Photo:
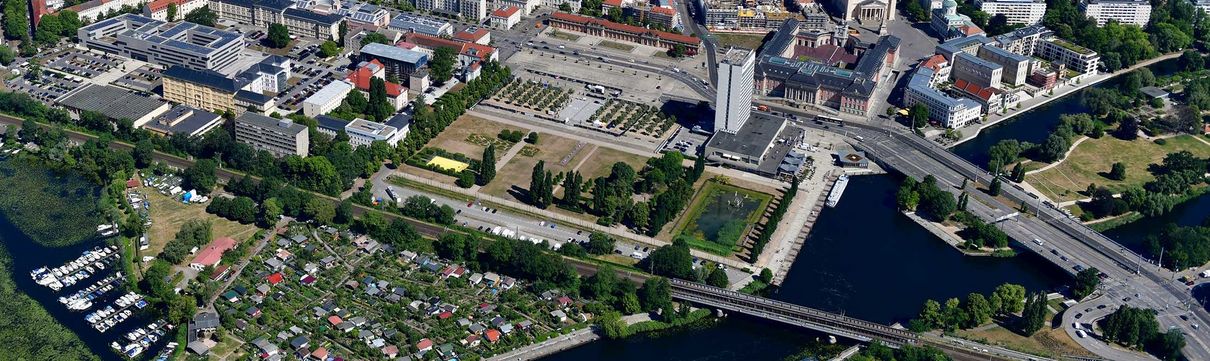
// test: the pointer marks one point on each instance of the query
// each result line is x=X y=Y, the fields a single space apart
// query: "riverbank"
x=973 y=131
x=947 y=234
x=549 y=347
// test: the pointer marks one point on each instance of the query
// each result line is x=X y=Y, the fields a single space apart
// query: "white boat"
x=837 y=190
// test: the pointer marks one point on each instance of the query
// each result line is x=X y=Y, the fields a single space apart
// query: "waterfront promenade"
x=972 y=131
x=549 y=347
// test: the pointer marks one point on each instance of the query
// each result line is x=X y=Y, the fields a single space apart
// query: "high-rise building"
x=1129 y=12
x=736 y=74
x=1025 y=12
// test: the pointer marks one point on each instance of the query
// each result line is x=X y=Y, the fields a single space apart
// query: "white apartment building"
x=736 y=79
x=474 y=10
x=326 y=99
x=281 y=137
x=158 y=9
x=1024 y=12
x=1075 y=57
x=949 y=111
x=1128 y=12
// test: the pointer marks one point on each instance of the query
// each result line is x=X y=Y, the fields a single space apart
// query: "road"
x=708 y=41
x=1063 y=241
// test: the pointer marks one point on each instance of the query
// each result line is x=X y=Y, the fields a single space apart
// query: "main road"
x=1047 y=231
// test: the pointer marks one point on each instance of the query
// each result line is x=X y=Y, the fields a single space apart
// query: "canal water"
x=1035 y=125
x=28 y=255
x=862 y=259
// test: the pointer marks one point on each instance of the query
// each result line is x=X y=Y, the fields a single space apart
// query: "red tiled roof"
x=361 y=79
x=506 y=11
x=663 y=10
x=320 y=353
x=827 y=54
x=424 y=344
x=214 y=251
x=613 y=3
x=492 y=335
x=969 y=30
x=471 y=36
x=483 y=52
x=974 y=89
x=624 y=27
x=158 y=5
x=219 y=271
x=274 y=278
x=132 y=183
x=334 y=320
x=445 y=315
x=934 y=62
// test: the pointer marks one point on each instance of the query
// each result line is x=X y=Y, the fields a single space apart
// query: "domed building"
x=949 y=24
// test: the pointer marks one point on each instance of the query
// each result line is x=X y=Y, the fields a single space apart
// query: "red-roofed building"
x=564 y=301
x=492 y=335
x=132 y=183
x=624 y=32
x=471 y=341
x=445 y=315
x=941 y=68
x=158 y=9
x=213 y=253
x=424 y=345
x=320 y=354
x=475 y=35
x=506 y=17
x=610 y=4
x=390 y=351
x=991 y=99
x=220 y=272
x=468 y=52
x=307 y=280
x=275 y=278
x=664 y=15
x=360 y=79
x=970 y=30
x=334 y=320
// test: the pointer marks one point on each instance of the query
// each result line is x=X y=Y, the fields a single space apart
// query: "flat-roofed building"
x=113 y=102
x=949 y=111
x=1077 y=58
x=748 y=147
x=735 y=82
x=166 y=44
x=1127 y=12
x=420 y=24
x=1023 y=41
x=326 y=99
x=1016 y=66
x=363 y=132
x=184 y=120
x=281 y=137
x=978 y=71
x=398 y=62
x=1024 y=12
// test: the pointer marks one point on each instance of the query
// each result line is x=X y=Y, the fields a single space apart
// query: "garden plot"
x=620 y=117
x=538 y=96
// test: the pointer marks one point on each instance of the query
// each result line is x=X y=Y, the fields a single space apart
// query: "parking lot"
x=44 y=85
x=144 y=78
x=310 y=74
x=575 y=71
x=83 y=63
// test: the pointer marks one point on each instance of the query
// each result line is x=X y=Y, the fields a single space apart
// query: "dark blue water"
x=1035 y=125
x=862 y=259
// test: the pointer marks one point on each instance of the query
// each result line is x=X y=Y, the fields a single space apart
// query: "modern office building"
x=1016 y=66
x=326 y=99
x=1128 y=12
x=281 y=137
x=1024 y=12
x=184 y=120
x=419 y=24
x=1023 y=41
x=398 y=62
x=949 y=111
x=749 y=147
x=355 y=12
x=733 y=101
x=363 y=132
x=1077 y=58
x=976 y=70
x=166 y=44
x=269 y=75
x=158 y=9
x=212 y=91
x=473 y=10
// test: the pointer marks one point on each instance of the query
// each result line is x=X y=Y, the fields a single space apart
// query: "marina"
x=79 y=269
x=82 y=300
x=141 y=339
x=108 y=317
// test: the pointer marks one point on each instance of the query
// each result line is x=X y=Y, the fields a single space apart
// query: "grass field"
x=616 y=45
x=167 y=216
x=603 y=159
x=455 y=137
x=1092 y=159
x=1048 y=342
x=747 y=41
x=555 y=33
x=688 y=226
x=512 y=180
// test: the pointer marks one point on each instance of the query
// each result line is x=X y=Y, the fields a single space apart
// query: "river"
x=862 y=259
x=29 y=255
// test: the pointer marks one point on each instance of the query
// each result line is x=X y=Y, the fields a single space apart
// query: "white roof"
x=334 y=91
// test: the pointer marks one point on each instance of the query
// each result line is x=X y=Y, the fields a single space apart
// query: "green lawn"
x=747 y=41
x=616 y=45
x=564 y=35
x=1091 y=160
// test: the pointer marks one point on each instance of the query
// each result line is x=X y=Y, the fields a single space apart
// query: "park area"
x=560 y=154
x=168 y=214
x=1090 y=162
x=741 y=40
x=719 y=217
x=470 y=135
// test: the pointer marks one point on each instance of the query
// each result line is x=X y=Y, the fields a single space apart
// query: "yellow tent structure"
x=449 y=164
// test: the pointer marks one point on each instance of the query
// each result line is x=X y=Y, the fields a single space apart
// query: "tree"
x=279 y=36
x=919 y=114
x=442 y=65
x=1033 y=315
x=1086 y=281
x=612 y=324
x=537 y=184
x=1117 y=171
x=487 y=166
x=571 y=191
x=7 y=56
x=1128 y=129
x=374 y=37
x=172 y=9
x=143 y=150
x=718 y=278
x=202 y=16
x=466 y=178
x=1011 y=296
x=656 y=294
x=270 y=212
x=1018 y=173
x=1167 y=346
x=599 y=243
x=994 y=188
x=200 y=176
x=1191 y=60
x=766 y=276
x=630 y=303
x=671 y=261
x=329 y=48
x=532 y=138
x=931 y=315
x=319 y=209
x=565 y=7
x=979 y=309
